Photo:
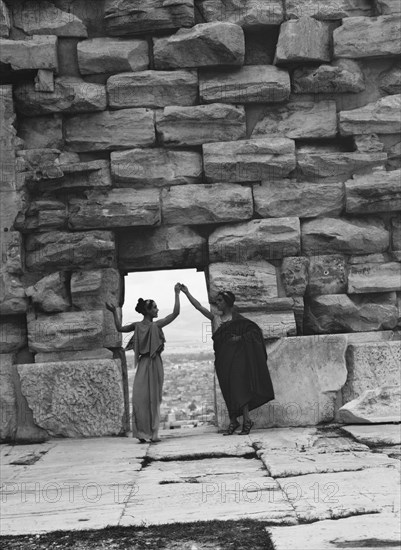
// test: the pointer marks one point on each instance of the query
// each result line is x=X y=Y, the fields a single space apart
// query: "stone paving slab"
x=316 y=497
x=376 y=435
x=359 y=533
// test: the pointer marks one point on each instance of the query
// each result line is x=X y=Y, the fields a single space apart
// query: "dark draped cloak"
x=241 y=366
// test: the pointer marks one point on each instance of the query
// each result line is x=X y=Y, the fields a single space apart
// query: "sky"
x=191 y=329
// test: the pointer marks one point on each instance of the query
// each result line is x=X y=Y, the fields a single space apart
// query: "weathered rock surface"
x=304 y=39
x=12 y=334
x=396 y=233
x=342 y=76
x=299 y=120
x=182 y=126
x=370 y=366
x=76 y=398
x=279 y=199
x=210 y=203
x=367 y=278
x=5 y=23
x=71 y=95
x=380 y=117
x=76 y=176
x=50 y=294
x=152 y=89
x=162 y=248
x=349 y=236
x=327 y=274
x=317 y=370
x=60 y=250
x=42 y=17
x=341 y=313
x=249 y=160
x=36 y=52
x=8 y=401
x=57 y=356
x=368 y=143
x=390 y=80
x=375 y=435
x=144 y=16
x=93 y=288
x=253 y=283
x=274 y=325
x=374 y=406
x=247 y=13
x=205 y=45
x=110 y=130
x=250 y=84
x=326 y=10
x=112 y=55
x=119 y=208
x=44 y=81
x=155 y=167
x=255 y=240
x=294 y=275
x=388 y=7
x=368 y=37
x=41 y=132
x=42 y=215
x=12 y=294
x=318 y=164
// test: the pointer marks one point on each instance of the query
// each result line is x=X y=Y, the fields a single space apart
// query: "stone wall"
x=257 y=141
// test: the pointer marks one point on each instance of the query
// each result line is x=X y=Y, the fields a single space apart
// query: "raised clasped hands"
x=183 y=288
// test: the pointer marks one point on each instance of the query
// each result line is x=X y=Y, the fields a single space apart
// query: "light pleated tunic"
x=148 y=343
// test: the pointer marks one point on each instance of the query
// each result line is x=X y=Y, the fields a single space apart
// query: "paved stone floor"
x=315 y=488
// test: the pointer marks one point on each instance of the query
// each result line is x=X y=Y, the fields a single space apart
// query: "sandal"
x=246 y=427
x=231 y=428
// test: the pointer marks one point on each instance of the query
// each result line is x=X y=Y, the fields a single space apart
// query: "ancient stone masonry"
x=258 y=141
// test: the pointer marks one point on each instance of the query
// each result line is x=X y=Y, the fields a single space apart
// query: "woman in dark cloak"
x=240 y=360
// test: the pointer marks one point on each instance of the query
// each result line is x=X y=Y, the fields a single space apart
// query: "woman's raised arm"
x=176 y=311
x=196 y=304
x=119 y=327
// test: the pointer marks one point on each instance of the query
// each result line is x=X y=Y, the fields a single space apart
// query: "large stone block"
x=12 y=333
x=119 y=208
x=388 y=7
x=205 y=45
x=41 y=132
x=327 y=274
x=317 y=370
x=43 y=17
x=253 y=283
x=255 y=240
x=303 y=39
x=42 y=215
x=152 y=89
x=316 y=164
x=5 y=23
x=76 y=398
x=279 y=199
x=56 y=356
x=8 y=400
x=249 y=14
x=183 y=126
x=203 y=204
x=13 y=300
x=381 y=117
x=327 y=10
x=380 y=405
x=51 y=293
x=376 y=192
x=164 y=247
x=390 y=80
x=274 y=325
x=342 y=313
x=342 y=76
x=349 y=236
x=60 y=250
x=93 y=288
x=294 y=275
x=249 y=84
x=36 y=52
x=110 y=130
x=73 y=177
x=299 y=120
x=112 y=55
x=249 y=160
x=366 y=278
x=371 y=365
x=71 y=95
x=368 y=37
x=144 y=16
x=155 y=167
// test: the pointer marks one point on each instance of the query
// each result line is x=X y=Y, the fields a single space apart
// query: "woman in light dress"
x=240 y=360
x=148 y=344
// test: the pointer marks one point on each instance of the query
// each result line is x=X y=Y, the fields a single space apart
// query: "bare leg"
x=245 y=413
x=247 y=425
